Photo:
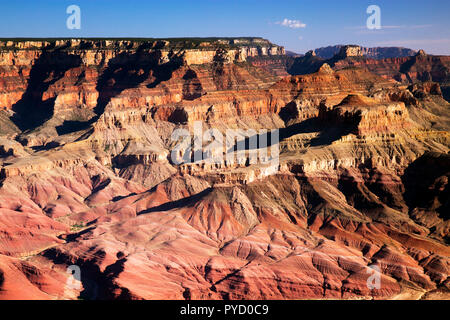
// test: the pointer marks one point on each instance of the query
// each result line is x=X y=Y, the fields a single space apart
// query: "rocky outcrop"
x=375 y=53
x=328 y=86
x=418 y=68
x=350 y=51
x=414 y=67
x=367 y=116
x=20 y=63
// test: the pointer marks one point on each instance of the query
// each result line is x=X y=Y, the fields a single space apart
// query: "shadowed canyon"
x=87 y=177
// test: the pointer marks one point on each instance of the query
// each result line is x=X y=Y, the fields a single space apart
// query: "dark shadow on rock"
x=128 y=70
x=305 y=65
x=289 y=112
x=446 y=92
x=307 y=126
x=163 y=72
x=192 y=87
x=406 y=66
x=118 y=198
x=178 y=116
x=113 y=270
x=426 y=183
x=99 y=184
x=70 y=126
x=74 y=236
x=327 y=134
x=48 y=146
x=92 y=279
x=178 y=203
x=97 y=285
x=31 y=110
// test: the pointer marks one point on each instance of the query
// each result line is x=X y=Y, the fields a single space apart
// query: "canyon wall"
x=87 y=177
x=407 y=69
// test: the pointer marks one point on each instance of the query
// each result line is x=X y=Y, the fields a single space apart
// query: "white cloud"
x=294 y=24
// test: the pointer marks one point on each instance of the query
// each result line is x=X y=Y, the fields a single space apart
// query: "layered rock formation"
x=418 y=68
x=367 y=116
x=360 y=187
x=408 y=69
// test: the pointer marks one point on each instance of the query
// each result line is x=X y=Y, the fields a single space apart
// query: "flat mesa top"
x=132 y=43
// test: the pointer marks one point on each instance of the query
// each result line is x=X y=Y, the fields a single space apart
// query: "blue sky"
x=408 y=23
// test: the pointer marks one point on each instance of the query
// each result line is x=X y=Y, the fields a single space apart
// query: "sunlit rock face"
x=359 y=189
